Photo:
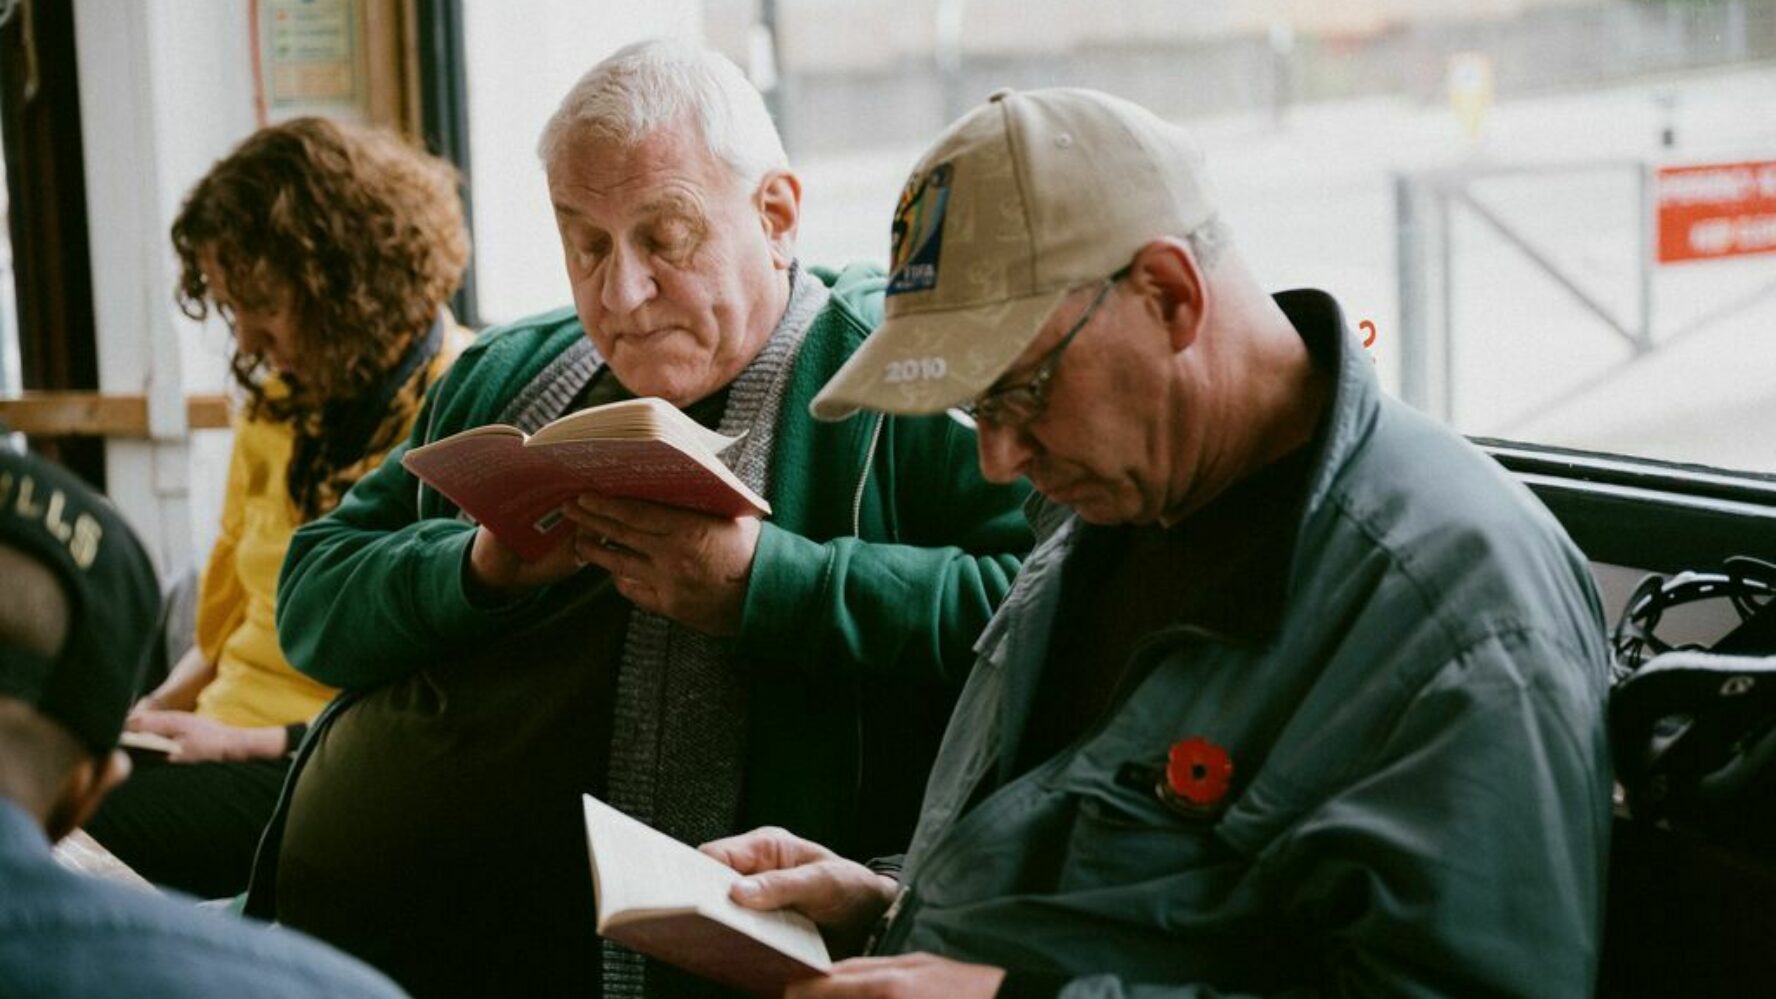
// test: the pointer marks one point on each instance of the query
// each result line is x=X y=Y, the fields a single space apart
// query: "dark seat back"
x=1687 y=917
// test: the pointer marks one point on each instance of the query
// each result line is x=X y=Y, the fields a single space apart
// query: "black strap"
x=1748 y=583
x=293 y=734
x=1756 y=635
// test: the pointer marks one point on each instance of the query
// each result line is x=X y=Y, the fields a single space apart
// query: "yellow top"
x=237 y=597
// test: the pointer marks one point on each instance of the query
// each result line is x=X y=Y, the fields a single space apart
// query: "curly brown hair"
x=367 y=233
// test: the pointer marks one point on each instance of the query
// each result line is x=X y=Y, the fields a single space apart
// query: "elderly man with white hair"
x=702 y=673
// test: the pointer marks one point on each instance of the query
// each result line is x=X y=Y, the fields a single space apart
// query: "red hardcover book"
x=638 y=448
x=670 y=902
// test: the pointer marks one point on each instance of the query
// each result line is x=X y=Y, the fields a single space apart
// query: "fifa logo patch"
x=918 y=231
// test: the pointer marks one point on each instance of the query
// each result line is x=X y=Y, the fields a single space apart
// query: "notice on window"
x=1723 y=210
x=310 y=58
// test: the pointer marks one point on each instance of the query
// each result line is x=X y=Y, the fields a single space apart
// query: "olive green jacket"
x=1420 y=792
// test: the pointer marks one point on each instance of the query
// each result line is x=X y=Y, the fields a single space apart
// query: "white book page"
x=636 y=419
x=636 y=869
x=675 y=426
x=485 y=430
x=147 y=741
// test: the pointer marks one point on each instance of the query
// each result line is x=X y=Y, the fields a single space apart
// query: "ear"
x=1166 y=271
x=779 y=203
x=83 y=790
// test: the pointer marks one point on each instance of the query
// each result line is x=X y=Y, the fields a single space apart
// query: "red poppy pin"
x=1197 y=774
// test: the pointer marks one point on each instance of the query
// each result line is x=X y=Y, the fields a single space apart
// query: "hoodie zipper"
x=869 y=460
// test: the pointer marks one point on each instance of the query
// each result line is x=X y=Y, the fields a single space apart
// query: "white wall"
x=165 y=89
x=521 y=59
x=10 y=376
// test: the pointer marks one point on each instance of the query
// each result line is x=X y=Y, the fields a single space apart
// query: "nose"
x=1004 y=452
x=628 y=281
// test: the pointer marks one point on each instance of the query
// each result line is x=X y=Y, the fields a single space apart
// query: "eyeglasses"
x=1016 y=406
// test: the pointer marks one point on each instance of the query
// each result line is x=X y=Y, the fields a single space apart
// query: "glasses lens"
x=1012 y=407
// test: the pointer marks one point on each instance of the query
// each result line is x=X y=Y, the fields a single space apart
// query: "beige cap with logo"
x=1023 y=199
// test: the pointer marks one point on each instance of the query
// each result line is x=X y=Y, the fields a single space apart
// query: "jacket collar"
x=1257 y=593
x=20 y=833
x=1356 y=391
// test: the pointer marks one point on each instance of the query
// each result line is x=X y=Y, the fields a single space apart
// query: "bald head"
x=43 y=767
x=33 y=608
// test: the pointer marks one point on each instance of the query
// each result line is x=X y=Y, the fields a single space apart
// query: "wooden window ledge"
x=96 y=414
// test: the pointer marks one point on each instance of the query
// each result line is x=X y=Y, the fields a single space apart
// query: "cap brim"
x=926 y=362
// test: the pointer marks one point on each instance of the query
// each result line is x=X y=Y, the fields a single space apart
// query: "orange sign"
x=1722 y=210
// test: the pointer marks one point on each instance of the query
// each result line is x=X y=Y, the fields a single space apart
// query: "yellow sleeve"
x=221 y=599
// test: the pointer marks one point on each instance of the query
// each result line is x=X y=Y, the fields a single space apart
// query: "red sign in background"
x=1720 y=210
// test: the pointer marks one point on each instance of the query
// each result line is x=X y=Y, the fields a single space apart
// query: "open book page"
x=516 y=491
x=667 y=899
x=648 y=449
x=640 y=448
x=635 y=419
x=78 y=851
x=146 y=742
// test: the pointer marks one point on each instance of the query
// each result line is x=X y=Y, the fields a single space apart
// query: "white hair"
x=1209 y=241
x=650 y=84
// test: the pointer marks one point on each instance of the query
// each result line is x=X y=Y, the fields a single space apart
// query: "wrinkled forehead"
x=669 y=168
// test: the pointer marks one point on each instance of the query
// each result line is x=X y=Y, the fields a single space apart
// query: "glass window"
x=1551 y=220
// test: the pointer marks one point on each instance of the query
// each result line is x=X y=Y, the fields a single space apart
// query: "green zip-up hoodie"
x=884 y=557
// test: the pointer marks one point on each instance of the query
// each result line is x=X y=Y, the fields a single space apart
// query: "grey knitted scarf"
x=678 y=744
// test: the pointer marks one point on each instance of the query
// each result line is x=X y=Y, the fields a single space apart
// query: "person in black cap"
x=77 y=615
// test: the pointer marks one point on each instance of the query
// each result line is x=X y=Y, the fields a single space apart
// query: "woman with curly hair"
x=330 y=250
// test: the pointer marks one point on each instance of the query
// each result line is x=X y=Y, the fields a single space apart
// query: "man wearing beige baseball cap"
x=1299 y=692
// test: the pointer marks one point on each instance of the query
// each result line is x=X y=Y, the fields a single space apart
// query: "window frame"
x=444 y=119
x=51 y=229
x=1662 y=516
